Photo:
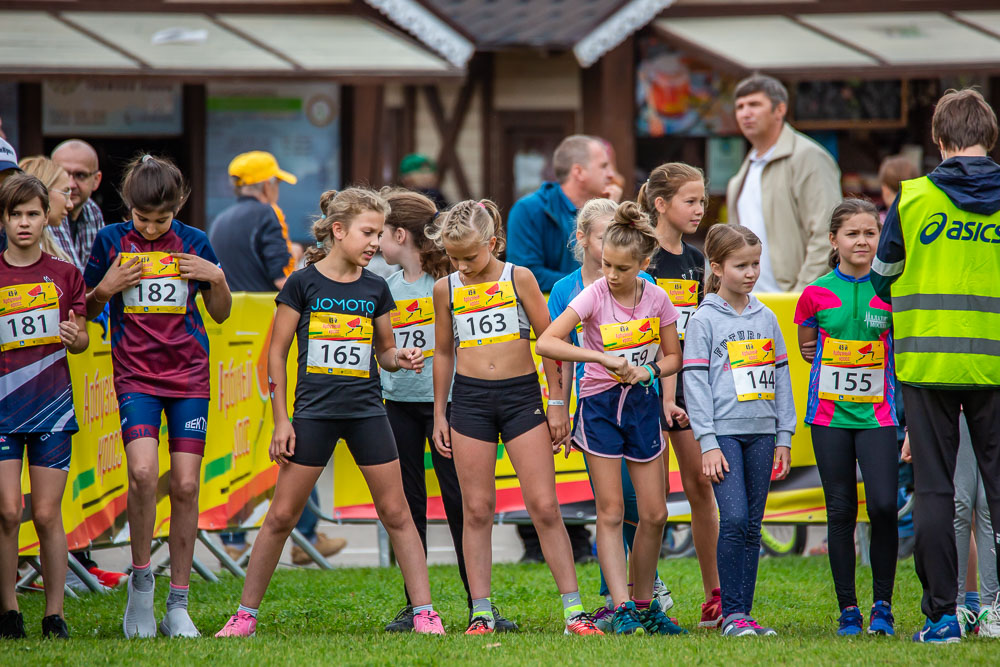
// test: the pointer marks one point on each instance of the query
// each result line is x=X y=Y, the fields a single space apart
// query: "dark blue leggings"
x=741 y=497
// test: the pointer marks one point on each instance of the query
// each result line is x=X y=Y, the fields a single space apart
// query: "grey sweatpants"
x=970 y=503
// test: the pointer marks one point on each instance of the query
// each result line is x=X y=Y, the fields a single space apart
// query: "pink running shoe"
x=428 y=623
x=241 y=624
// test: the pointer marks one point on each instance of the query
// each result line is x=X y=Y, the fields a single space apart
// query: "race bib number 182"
x=752 y=365
x=161 y=289
x=29 y=315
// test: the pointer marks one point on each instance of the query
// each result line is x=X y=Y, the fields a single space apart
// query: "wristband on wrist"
x=652 y=377
x=556 y=401
x=656 y=368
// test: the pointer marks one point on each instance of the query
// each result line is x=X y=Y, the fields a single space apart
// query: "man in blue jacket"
x=540 y=225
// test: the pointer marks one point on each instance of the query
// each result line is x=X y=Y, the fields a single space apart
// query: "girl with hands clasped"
x=338 y=312
x=40 y=321
x=483 y=313
x=150 y=270
x=739 y=400
x=629 y=338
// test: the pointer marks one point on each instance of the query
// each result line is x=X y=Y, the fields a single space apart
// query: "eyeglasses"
x=64 y=193
x=82 y=175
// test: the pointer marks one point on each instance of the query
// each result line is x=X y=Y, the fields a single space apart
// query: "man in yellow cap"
x=255 y=252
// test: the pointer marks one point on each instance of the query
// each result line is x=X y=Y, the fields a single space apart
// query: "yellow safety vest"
x=946 y=302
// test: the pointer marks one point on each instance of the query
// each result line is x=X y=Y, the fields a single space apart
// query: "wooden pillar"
x=609 y=105
x=194 y=110
x=367 y=105
x=29 y=114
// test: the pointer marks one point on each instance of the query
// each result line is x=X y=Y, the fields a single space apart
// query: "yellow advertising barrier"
x=237 y=476
x=796 y=499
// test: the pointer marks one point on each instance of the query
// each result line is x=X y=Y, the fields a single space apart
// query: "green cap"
x=415 y=162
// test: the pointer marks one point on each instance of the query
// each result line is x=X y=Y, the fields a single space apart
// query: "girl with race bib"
x=739 y=400
x=627 y=323
x=150 y=269
x=41 y=319
x=409 y=396
x=674 y=198
x=845 y=332
x=483 y=313
x=339 y=314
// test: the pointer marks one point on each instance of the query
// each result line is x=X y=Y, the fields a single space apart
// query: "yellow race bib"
x=635 y=340
x=852 y=371
x=413 y=324
x=339 y=344
x=752 y=366
x=684 y=295
x=485 y=313
x=161 y=290
x=29 y=315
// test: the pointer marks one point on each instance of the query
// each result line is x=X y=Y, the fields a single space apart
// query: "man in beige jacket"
x=785 y=190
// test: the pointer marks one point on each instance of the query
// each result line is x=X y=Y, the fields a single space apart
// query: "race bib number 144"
x=752 y=365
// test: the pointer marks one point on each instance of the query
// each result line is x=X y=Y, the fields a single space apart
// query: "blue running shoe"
x=851 y=622
x=945 y=631
x=626 y=620
x=881 y=621
x=658 y=623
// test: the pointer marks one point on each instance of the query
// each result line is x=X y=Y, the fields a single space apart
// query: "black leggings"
x=413 y=425
x=838 y=451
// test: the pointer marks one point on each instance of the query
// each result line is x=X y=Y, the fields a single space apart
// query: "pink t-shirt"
x=627 y=332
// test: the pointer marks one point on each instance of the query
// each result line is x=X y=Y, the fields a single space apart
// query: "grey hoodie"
x=709 y=385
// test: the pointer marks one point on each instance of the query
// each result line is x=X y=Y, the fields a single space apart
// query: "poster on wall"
x=723 y=160
x=298 y=122
x=111 y=108
x=8 y=114
x=676 y=95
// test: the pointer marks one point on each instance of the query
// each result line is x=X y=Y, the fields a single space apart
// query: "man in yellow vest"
x=939 y=262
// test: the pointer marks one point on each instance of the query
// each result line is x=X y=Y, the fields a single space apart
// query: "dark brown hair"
x=846 y=210
x=630 y=229
x=722 y=241
x=665 y=181
x=153 y=184
x=894 y=170
x=342 y=207
x=480 y=219
x=762 y=83
x=963 y=119
x=413 y=212
x=20 y=188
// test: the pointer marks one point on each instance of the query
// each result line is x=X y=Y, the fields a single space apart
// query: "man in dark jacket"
x=540 y=225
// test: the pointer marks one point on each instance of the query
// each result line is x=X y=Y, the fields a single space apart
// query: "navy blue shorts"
x=621 y=421
x=45 y=450
x=187 y=420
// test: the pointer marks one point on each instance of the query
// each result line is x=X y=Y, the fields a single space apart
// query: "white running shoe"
x=989 y=619
x=967 y=621
x=139 y=620
x=177 y=623
x=661 y=593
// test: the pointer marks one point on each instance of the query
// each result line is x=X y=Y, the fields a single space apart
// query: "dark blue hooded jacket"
x=540 y=229
x=971 y=183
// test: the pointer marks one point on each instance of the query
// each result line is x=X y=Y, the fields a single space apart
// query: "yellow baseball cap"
x=257 y=167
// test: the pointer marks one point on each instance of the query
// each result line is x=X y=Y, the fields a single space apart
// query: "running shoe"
x=177 y=623
x=240 y=624
x=139 y=620
x=479 y=625
x=428 y=622
x=945 y=631
x=657 y=623
x=602 y=618
x=760 y=630
x=501 y=624
x=989 y=619
x=967 y=619
x=881 y=621
x=582 y=624
x=55 y=626
x=107 y=577
x=851 y=622
x=403 y=621
x=626 y=620
x=12 y=625
x=738 y=627
x=662 y=593
x=711 y=611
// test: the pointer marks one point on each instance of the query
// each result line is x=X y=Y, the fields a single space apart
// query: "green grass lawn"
x=316 y=617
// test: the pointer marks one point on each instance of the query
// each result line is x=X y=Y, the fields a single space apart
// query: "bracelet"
x=652 y=377
x=556 y=401
x=656 y=368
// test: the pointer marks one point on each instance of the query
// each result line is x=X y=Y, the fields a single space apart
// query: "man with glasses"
x=76 y=234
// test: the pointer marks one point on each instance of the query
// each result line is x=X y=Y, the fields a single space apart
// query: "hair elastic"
x=481 y=205
x=146 y=158
x=319 y=244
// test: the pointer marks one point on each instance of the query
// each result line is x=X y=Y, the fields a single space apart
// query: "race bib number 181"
x=161 y=289
x=752 y=365
x=29 y=315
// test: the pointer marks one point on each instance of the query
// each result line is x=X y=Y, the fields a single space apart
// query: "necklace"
x=635 y=302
